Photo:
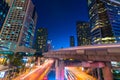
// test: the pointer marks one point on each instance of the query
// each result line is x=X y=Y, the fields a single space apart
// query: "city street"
x=78 y=74
x=37 y=72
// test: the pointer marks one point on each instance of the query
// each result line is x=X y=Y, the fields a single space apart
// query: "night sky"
x=59 y=17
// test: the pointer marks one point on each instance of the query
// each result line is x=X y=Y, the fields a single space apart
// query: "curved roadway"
x=37 y=73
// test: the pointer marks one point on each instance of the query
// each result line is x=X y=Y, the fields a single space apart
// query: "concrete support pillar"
x=107 y=74
x=57 y=69
x=59 y=65
x=38 y=61
x=99 y=73
x=95 y=73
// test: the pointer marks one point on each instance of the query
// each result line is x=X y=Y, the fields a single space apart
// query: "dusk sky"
x=59 y=17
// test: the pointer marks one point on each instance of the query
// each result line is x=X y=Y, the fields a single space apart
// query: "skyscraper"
x=104 y=21
x=83 y=33
x=72 y=41
x=41 y=40
x=18 y=29
x=3 y=12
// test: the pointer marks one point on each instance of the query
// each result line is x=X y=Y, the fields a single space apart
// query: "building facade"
x=41 y=40
x=72 y=41
x=83 y=33
x=18 y=29
x=3 y=12
x=8 y=1
x=104 y=21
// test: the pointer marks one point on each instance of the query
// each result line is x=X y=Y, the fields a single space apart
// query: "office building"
x=104 y=21
x=18 y=29
x=72 y=41
x=3 y=12
x=83 y=33
x=41 y=40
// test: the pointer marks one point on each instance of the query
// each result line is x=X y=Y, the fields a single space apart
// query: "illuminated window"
x=22 y=0
x=19 y=8
x=40 y=46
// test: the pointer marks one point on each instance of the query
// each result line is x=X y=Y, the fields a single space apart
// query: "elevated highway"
x=110 y=52
x=95 y=56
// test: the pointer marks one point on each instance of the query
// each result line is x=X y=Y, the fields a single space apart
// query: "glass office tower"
x=41 y=40
x=104 y=21
x=83 y=33
x=19 y=26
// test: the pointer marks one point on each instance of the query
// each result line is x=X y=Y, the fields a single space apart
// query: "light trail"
x=39 y=71
x=31 y=72
x=69 y=75
x=80 y=74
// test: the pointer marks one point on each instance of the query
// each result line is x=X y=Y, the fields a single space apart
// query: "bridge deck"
x=110 y=52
